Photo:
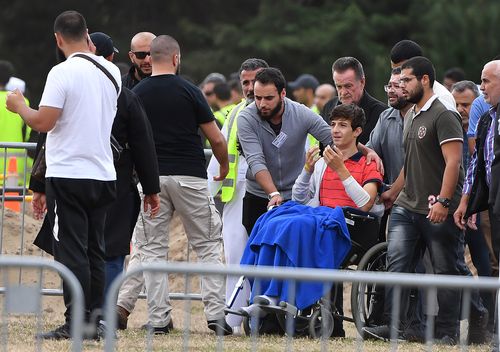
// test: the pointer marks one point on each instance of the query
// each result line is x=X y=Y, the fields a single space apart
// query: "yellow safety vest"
x=311 y=141
x=229 y=183
x=11 y=130
x=223 y=113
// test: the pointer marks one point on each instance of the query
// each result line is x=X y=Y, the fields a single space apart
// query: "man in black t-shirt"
x=176 y=109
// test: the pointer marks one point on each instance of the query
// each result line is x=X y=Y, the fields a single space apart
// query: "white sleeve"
x=54 y=93
x=357 y=193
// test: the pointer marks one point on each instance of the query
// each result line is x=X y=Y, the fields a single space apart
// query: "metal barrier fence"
x=430 y=283
x=25 y=299
x=14 y=192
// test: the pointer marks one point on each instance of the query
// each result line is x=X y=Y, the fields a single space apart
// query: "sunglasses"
x=141 y=55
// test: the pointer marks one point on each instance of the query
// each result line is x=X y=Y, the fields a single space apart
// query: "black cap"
x=304 y=81
x=103 y=44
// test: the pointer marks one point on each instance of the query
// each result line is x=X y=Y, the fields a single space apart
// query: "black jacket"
x=494 y=196
x=132 y=129
x=128 y=80
x=478 y=198
x=372 y=108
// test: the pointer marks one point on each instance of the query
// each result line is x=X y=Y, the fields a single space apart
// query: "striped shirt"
x=488 y=157
x=332 y=192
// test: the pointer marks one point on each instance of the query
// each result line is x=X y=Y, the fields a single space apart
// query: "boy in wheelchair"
x=312 y=234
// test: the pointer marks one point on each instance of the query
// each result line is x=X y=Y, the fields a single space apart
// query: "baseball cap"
x=304 y=81
x=103 y=43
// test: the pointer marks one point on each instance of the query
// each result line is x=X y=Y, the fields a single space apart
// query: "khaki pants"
x=189 y=197
x=486 y=228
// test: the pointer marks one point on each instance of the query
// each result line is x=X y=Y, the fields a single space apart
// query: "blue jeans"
x=114 y=266
x=409 y=234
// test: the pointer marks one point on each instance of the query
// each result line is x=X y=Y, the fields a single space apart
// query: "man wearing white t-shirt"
x=77 y=109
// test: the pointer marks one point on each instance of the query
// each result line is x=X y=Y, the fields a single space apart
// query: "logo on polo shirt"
x=422 y=130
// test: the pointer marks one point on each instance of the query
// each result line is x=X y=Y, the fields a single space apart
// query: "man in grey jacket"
x=272 y=132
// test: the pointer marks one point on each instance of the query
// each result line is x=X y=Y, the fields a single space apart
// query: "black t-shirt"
x=176 y=108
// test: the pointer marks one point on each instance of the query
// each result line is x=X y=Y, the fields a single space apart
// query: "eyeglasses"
x=388 y=87
x=209 y=93
x=406 y=80
x=141 y=55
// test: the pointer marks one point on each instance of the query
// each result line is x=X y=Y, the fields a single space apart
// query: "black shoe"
x=478 y=332
x=159 y=330
x=220 y=327
x=381 y=332
x=446 y=340
x=60 y=333
x=413 y=334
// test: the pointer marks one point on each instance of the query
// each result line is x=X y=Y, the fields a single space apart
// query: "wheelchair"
x=318 y=320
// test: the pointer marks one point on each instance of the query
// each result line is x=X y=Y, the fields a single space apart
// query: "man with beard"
x=387 y=136
x=234 y=234
x=140 y=57
x=176 y=109
x=272 y=132
x=422 y=215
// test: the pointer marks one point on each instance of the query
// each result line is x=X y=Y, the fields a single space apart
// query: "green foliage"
x=297 y=36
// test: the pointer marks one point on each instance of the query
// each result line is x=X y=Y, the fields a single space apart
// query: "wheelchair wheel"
x=300 y=324
x=367 y=300
x=267 y=325
x=321 y=323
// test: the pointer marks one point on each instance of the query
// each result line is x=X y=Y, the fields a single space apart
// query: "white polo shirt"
x=78 y=146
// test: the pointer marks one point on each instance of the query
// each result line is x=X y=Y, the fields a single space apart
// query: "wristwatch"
x=445 y=202
x=272 y=194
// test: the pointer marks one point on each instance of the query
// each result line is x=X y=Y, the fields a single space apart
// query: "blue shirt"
x=488 y=157
x=478 y=108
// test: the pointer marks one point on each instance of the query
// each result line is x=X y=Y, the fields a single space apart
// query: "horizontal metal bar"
x=14 y=145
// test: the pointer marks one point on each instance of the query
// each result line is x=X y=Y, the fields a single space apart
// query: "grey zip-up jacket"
x=284 y=160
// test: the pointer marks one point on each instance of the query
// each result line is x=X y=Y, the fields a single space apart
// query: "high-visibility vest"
x=13 y=129
x=229 y=183
x=311 y=141
x=221 y=114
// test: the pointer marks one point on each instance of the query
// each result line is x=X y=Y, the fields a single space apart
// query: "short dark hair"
x=348 y=62
x=350 y=112
x=252 y=64
x=222 y=91
x=234 y=84
x=462 y=86
x=6 y=71
x=455 y=73
x=396 y=71
x=163 y=47
x=271 y=75
x=71 y=25
x=405 y=50
x=421 y=66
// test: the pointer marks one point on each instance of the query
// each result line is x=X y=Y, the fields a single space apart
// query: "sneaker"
x=122 y=317
x=220 y=327
x=381 y=332
x=159 y=330
x=60 y=333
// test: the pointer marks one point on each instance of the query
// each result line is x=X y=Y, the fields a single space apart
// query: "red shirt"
x=332 y=192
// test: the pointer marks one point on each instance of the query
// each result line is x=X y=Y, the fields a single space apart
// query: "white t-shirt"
x=444 y=96
x=78 y=146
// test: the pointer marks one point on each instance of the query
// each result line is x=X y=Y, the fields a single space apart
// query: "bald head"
x=323 y=94
x=140 y=40
x=490 y=82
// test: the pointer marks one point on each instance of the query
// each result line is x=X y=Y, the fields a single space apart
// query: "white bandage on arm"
x=356 y=192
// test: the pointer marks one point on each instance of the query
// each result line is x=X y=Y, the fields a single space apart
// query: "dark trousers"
x=409 y=234
x=253 y=207
x=77 y=211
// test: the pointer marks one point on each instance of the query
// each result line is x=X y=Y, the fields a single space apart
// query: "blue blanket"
x=295 y=235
